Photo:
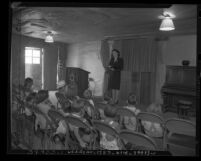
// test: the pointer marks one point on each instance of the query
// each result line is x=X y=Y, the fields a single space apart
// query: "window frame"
x=32 y=57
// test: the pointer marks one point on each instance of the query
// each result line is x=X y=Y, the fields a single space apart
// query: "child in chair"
x=42 y=108
x=88 y=96
x=90 y=106
x=30 y=100
x=130 y=123
x=62 y=127
x=151 y=128
x=82 y=136
x=107 y=141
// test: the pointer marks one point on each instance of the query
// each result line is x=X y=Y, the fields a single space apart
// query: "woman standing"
x=115 y=66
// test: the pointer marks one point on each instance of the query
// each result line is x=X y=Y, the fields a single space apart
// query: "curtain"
x=105 y=55
x=160 y=69
x=61 y=62
x=139 y=55
x=139 y=72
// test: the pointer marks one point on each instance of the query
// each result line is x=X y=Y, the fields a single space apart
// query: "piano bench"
x=183 y=108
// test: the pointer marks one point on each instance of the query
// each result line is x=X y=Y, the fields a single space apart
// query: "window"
x=32 y=55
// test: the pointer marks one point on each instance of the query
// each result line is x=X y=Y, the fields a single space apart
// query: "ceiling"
x=76 y=24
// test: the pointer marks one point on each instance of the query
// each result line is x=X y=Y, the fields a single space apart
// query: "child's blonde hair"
x=155 y=108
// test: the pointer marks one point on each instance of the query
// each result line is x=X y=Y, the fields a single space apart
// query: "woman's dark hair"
x=27 y=81
x=118 y=52
x=42 y=95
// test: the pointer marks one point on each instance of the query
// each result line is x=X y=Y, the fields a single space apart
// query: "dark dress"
x=115 y=75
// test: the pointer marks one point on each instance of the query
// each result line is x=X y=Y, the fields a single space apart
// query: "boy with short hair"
x=151 y=128
x=107 y=141
x=131 y=122
x=83 y=136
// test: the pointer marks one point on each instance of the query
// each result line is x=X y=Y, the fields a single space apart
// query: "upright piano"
x=180 y=84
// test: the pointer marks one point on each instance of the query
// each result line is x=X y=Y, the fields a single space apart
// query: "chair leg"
x=43 y=141
x=164 y=145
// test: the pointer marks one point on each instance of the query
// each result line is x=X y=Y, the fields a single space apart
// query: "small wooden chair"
x=142 y=141
x=180 y=133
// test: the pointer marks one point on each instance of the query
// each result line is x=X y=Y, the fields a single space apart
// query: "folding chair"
x=56 y=117
x=45 y=134
x=179 y=133
x=80 y=123
x=24 y=126
x=101 y=126
x=141 y=141
x=126 y=112
x=153 y=118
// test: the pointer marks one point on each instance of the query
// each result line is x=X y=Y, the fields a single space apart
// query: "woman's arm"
x=111 y=63
x=119 y=65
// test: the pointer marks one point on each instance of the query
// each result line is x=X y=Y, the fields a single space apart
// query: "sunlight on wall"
x=86 y=56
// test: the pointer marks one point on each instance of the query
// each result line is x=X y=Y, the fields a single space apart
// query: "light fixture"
x=49 y=37
x=167 y=23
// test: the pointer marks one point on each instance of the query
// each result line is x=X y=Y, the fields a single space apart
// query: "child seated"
x=90 y=106
x=151 y=128
x=107 y=141
x=61 y=91
x=43 y=106
x=130 y=122
x=88 y=96
x=107 y=98
x=62 y=126
x=82 y=136
x=30 y=100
